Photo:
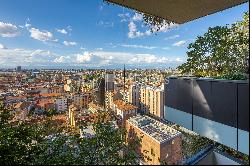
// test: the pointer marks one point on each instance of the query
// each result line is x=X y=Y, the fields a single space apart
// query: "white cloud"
x=41 y=35
x=166 y=26
x=63 y=31
x=2 y=46
x=62 y=59
x=45 y=58
x=133 y=33
x=105 y=23
x=172 y=37
x=99 y=49
x=69 y=28
x=109 y=58
x=137 y=17
x=69 y=43
x=137 y=46
x=8 y=30
x=40 y=53
x=82 y=48
x=27 y=24
x=13 y=57
x=179 y=60
x=85 y=57
x=180 y=43
x=124 y=17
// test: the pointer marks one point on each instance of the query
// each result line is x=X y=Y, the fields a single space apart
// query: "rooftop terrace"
x=155 y=129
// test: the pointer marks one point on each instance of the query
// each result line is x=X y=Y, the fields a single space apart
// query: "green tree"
x=108 y=147
x=48 y=142
x=221 y=52
x=17 y=140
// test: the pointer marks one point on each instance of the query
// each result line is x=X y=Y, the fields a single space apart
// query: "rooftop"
x=124 y=106
x=155 y=129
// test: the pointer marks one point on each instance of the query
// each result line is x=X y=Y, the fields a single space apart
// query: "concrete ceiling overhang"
x=178 y=11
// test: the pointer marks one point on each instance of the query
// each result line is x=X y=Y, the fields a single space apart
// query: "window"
x=152 y=152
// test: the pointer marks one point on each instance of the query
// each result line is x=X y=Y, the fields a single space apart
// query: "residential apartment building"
x=134 y=95
x=61 y=104
x=80 y=100
x=109 y=82
x=55 y=89
x=110 y=97
x=148 y=99
x=71 y=115
x=124 y=110
x=68 y=87
x=160 y=144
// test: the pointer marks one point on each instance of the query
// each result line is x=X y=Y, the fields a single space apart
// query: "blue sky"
x=92 y=34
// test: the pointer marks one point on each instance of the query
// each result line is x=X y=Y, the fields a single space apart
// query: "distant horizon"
x=85 y=68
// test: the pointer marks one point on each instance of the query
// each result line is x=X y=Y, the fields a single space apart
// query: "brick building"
x=161 y=144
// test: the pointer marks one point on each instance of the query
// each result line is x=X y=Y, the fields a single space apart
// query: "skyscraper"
x=18 y=68
x=109 y=82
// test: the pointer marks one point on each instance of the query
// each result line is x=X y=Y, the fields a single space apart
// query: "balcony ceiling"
x=179 y=11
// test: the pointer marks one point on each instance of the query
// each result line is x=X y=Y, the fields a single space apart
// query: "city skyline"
x=93 y=34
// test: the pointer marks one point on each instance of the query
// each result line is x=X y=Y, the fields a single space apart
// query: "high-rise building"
x=71 y=114
x=18 y=68
x=148 y=99
x=109 y=82
x=152 y=100
x=134 y=95
x=100 y=93
x=160 y=143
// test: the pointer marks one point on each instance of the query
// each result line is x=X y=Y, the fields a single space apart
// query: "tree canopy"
x=48 y=142
x=221 y=52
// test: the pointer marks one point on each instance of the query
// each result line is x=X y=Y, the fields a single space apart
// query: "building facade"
x=124 y=110
x=109 y=82
x=148 y=99
x=160 y=144
x=61 y=104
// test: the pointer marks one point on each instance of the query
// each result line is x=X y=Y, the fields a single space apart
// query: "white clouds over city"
x=2 y=46
x=62 y=31
x=109 y=58
x=13 y=57
x=180 y=43
x=41 y=35
x=137 y=46
x=134 y=32
x=69 y=43
x=8 y=30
